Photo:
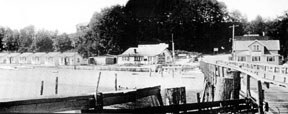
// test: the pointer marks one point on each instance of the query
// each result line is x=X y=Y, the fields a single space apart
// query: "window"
x=270 y=58
x=125 y=58
x=149 y=58
x=37 y=58
x=78 y=60
x=136 y=58
x=255 y=58
x=241 y=58
x=50 y=59
x=256 y=48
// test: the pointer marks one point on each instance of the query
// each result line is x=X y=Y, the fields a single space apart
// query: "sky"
x=64 y=15
x=61 y=15
x=269 y=9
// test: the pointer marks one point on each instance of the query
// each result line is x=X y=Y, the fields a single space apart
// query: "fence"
x=97 y=103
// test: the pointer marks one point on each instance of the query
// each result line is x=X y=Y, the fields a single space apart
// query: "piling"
x=175 y=96
x=42 y=87
x=98 y=81
x=116 y=82
x=150 y=72
x=162 y=70
x=56 y=86
x=236 y=84
x=260 y=98
x=224 y=88
x=173 y=71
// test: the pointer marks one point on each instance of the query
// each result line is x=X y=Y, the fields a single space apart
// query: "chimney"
x=135 y=51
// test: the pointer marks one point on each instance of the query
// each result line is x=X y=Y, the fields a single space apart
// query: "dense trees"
x=29 y=40
x=63 y=43
x=26 y=38
x=196 y=25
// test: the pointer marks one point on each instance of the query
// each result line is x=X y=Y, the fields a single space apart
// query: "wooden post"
x=173 y=72
x=224 y=86
x=42 y=87
x=212 y=92
x=99 y=102
x=236 y=84
x=198 y=98
x=56 y=86
x=98 y=81
x=248 y=86
x=162 y=70
x=175 y=96
x=159 y=97
x=116 y=82
x=150 y=72
x=260 y=98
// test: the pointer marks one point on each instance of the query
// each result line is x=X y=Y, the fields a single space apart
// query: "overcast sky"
x=63 y=15
x=251 y=8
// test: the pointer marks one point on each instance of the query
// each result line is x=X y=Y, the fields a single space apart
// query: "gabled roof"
x=245 y=38
x=145 y=50
x=39 y=54
x=269 y=44
x=256 y=41
x=69 y=54
x=52 y=54
x=3 y=54
x=13 y=54
x=26 y=54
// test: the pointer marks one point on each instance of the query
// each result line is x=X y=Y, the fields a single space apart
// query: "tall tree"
x=257 y=26
x=26 y=38
x=10 y=40
x=43 y=41
x=63 y=43
x=2 y=33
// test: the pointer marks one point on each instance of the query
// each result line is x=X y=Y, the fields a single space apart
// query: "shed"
x=38 y=58
x=52 y=58
x=25 y=58
x=146 y=54
x=103 y=60
x=70 y=58
x=12 y=58
x=2 y=58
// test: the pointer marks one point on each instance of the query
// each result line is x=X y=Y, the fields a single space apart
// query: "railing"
x=274 y=74
x=218 y=73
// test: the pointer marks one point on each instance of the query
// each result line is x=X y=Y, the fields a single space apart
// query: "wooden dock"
x=274 y=81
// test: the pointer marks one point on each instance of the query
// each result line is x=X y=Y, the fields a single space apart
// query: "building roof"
x=245 y=38
x=26 y=54
x=13 y=54
x=68 y=54
x=3 y=54
x=145 y=50
x=39 y=54
x=52 y=54
x=269 y=44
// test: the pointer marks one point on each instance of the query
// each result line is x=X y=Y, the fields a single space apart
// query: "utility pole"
x=233 y=34
x=173 y=50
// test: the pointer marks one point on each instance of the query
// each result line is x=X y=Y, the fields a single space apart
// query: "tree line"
x=195 y=25
x=30 y=40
